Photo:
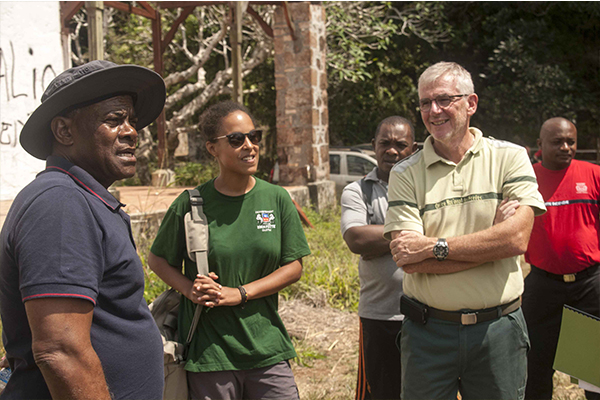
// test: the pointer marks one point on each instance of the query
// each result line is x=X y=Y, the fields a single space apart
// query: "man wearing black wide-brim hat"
x=75 y=322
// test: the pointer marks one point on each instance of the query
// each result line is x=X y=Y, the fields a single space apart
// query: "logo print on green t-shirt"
x=264 y=220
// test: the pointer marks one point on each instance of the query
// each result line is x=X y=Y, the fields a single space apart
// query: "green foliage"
x=356 y=109
x=383 y=80
x=306 y=354
x=129 y=40
x=194 y=174
x=133 y=181
x=513 y=73
x=331 y=271
x=154 y=286
x=529 y=62
x=354 y=31
x=259 y=97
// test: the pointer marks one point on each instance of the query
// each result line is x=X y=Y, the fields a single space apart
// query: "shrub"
x=193 y=174
x=331 y=271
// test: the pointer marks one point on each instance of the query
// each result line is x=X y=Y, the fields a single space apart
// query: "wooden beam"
x=146 y=6
x=171 y=34
x=235 y=38
x=67 y=10
x=95 y=18
x=158 y=67
x=130 y=9
x=183 y=4
x=263 y=24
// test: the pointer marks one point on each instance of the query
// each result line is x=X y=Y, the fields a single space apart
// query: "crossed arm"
x=367 y=240
x=508 y=237
x=362 y=238
x=206 y=291
x=62 y=348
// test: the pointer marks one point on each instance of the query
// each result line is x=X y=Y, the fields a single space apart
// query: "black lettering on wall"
x=10 y=72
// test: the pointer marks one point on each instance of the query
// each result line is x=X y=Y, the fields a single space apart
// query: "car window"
x=334 y=164
x=358 y=165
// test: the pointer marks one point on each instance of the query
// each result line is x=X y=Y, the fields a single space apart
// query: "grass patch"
x=331 y=272
x=306 y=354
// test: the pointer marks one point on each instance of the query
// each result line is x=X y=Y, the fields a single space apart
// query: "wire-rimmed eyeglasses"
x=442 y=101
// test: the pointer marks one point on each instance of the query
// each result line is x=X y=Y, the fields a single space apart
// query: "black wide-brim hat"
x=88 y=84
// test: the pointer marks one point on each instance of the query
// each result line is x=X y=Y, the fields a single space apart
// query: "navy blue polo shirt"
x=67 y=236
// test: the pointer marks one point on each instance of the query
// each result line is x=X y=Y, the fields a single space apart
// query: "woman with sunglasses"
x=256 y=244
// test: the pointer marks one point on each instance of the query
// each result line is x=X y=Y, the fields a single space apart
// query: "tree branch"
x=259 y=54
x=199 y=59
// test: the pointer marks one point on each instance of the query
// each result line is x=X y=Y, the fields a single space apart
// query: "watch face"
x=440 y=250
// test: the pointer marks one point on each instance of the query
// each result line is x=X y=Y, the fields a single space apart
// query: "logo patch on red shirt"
x=581 y=187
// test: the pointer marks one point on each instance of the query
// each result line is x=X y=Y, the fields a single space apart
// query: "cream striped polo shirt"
x=439 y=198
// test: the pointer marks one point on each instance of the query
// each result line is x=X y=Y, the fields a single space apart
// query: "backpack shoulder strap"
x=366 y=186
x=196 y=201
x=197 y=226
x=197 y=232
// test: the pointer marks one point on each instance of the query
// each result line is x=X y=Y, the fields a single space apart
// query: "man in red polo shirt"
x=563 y=251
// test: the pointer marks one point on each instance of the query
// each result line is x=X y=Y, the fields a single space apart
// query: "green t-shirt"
x=250 y=236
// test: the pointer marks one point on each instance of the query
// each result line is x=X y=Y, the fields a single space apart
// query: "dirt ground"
x=326 y=341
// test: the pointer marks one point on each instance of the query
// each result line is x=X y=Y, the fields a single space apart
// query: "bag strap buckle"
x=196 y=201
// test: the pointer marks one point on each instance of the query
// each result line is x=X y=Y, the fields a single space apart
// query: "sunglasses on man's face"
x=236 y=139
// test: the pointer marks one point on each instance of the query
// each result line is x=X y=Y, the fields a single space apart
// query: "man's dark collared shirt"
x=67 y=236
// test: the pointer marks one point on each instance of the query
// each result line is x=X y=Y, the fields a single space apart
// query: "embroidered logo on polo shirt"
x=264 y=220
x=581 y=188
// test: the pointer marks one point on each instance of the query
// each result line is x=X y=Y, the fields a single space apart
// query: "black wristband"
x=244 y=296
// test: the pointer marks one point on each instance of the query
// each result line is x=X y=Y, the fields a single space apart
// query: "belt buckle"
x=569 y=278
x=468 y=319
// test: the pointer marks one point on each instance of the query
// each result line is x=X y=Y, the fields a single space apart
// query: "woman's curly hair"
x=211 y=119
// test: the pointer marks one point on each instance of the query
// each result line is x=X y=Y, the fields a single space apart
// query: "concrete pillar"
x=301 y=84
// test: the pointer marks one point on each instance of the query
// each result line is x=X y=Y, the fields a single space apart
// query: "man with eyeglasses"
x=460 y=214
x=564 y=250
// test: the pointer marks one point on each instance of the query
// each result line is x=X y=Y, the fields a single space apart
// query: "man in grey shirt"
x=364 y=205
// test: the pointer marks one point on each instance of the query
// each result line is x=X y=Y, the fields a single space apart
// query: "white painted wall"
x=31 y=55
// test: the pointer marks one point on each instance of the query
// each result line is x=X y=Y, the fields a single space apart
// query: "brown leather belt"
x=473 y=317
x=569 y=278
x=420 y=312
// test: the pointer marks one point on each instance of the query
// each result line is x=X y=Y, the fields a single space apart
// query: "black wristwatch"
x=440 y=250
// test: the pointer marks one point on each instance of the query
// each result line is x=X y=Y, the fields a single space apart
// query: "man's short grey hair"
x=461 y=76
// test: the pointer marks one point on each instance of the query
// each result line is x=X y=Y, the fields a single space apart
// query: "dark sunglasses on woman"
x=236 y=139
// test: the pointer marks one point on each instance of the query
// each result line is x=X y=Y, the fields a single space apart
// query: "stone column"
x=301 y=84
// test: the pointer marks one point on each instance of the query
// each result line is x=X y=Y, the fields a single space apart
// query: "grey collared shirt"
x=380 y=278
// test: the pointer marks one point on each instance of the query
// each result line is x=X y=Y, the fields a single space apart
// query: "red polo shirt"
x=565 y=239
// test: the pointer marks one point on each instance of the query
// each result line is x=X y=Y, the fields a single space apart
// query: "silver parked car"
x=346 y=165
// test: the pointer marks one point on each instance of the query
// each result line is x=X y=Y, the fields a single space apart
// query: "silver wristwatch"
x=440 y=250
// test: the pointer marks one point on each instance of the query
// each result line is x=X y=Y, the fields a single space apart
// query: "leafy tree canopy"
x=529 y=62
